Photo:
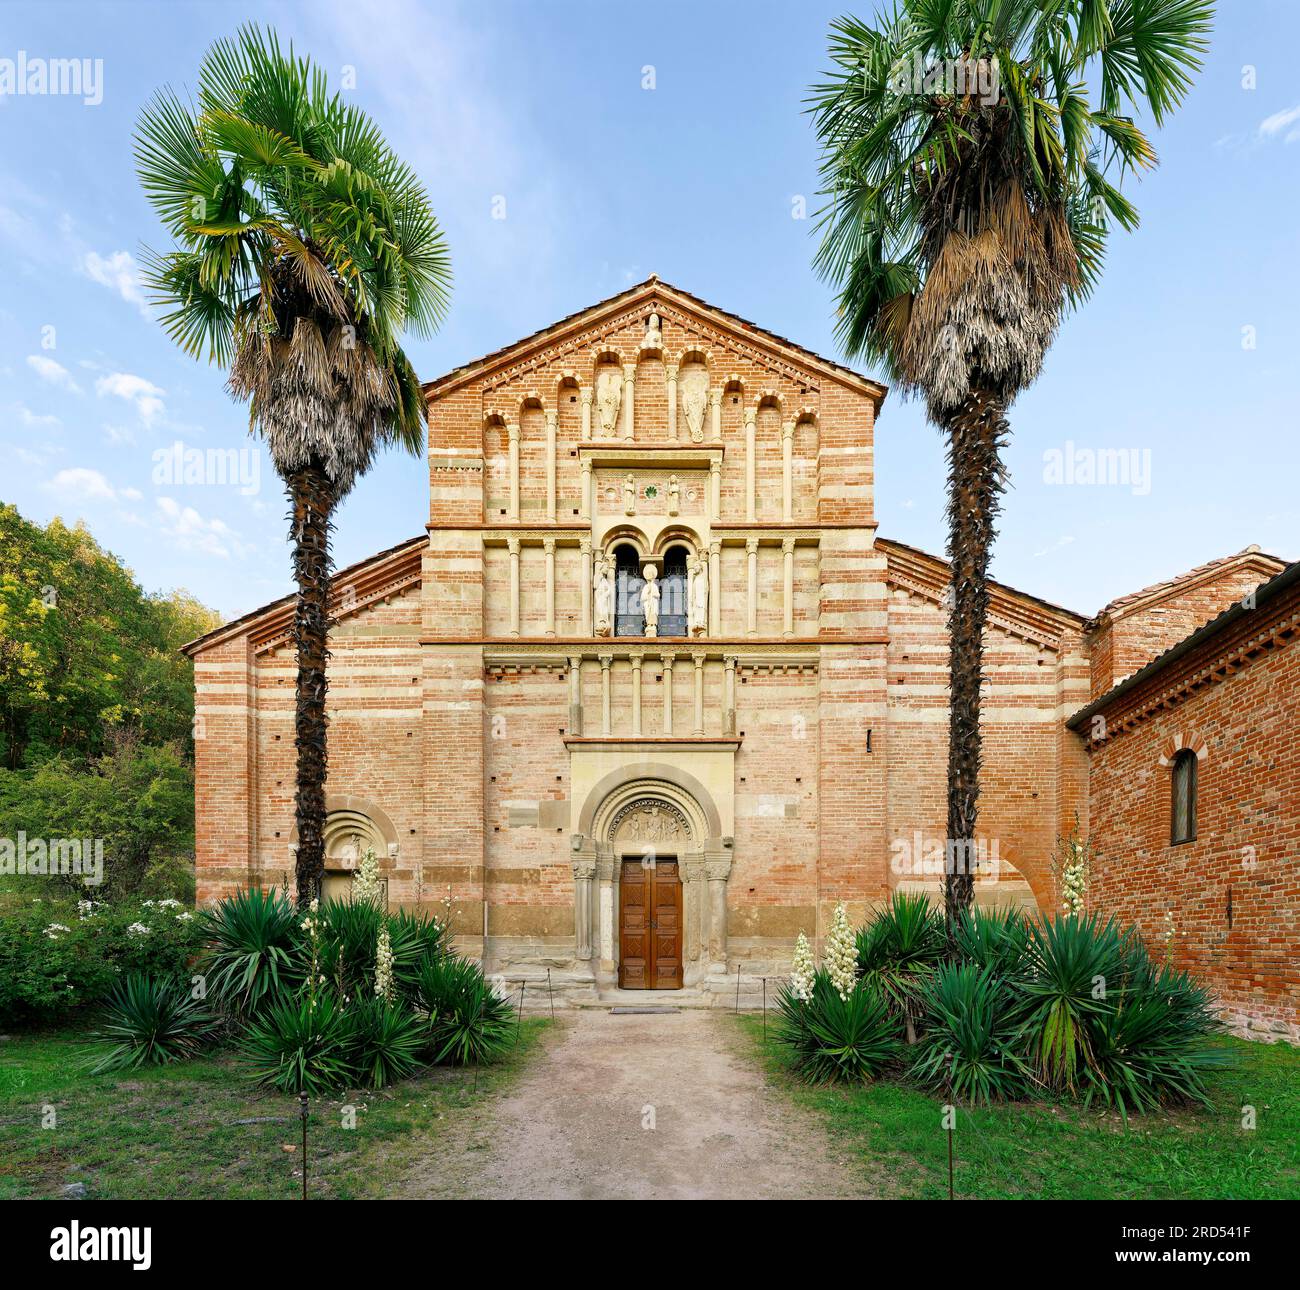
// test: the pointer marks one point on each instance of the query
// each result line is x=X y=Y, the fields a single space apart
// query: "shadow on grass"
x=201 y=1130
x=1045 y=1150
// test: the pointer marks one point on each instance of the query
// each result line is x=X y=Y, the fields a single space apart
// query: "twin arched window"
x=629 y=617
x=1183 y=808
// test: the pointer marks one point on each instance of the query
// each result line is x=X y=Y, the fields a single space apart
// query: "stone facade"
x=512 y=717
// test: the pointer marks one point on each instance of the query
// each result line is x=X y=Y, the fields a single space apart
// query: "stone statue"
x=609 y=396
x=603 y=600
x=693 y=385
x=650 y=600
x=674 y=495
x=654 y=336
x=629 y=496
x=697 y=596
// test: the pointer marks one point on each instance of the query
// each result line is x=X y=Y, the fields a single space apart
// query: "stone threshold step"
x=641 y=1012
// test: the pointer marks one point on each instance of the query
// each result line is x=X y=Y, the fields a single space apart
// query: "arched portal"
x=650 y=871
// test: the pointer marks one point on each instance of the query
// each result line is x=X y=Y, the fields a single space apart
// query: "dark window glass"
x=1183 y=827
x=672 y=599
x=629 y=620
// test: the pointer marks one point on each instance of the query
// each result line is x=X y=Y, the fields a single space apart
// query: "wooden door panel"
x=650 y=926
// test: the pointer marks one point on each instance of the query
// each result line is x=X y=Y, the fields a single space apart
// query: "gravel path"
x=660 y=1106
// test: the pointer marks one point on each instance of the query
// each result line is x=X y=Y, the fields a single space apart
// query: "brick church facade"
x=651 y=617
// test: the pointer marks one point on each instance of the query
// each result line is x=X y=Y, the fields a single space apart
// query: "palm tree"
x=302 y=249
x=973 y=151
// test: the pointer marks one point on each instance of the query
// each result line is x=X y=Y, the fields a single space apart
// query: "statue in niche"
x=603 y=599
x=693 y=385
x=609 y=396
x=654 y=336
x=697 y=595
x=674 y=495
x=629 y=495
x=650 y=600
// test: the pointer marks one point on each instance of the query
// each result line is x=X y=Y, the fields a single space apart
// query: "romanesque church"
x=650 y=693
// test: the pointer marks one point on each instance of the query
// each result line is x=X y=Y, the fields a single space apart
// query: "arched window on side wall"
x=1183 y=812
x=672 y=601
x=629 y=619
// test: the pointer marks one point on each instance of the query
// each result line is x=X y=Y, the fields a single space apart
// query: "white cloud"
x=35 y=420
x=118 y=434
x=146 y=396
x=83 y=484
x=119 y=272
x=52 y=373
x=191 y=532
x=1279 y=121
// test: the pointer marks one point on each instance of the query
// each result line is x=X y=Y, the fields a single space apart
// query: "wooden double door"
x=650 y=925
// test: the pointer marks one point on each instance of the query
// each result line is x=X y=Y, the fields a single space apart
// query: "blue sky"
x=604 y=183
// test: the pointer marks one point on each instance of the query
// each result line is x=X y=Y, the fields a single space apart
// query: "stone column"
x=513 y=544
x=715 y=491
x=751 y=464
x=715 y=415
x=729 y=695
x=629 y=391
x=588 y=573
x=699 y=693
x=787 y=471
x=584 y=400
x=695 y=896
x=637 y=660
x=670 y=376
x=552 y=430
x=717 y=876
x=751 y=600
x=715 y=588
x=605 y=877
x=513 y=431
x=575 y=694
x=787 y=594
x=584 y=873
x=548 y=545
x=586 y=502
x=606 y=662
x=667 y=661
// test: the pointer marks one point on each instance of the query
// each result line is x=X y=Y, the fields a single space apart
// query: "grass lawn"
x=201 y=1130
x=1051 y=1151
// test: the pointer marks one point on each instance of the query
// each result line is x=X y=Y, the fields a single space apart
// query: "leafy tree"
x=303 y=247
x=973 y=154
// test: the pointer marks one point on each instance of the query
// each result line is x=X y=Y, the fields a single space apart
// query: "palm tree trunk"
x=976 y=478
x=312 y=498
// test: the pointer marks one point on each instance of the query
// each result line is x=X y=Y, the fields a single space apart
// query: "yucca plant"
x=350 y=933
x=996 y=939
x=1075 y=969
x=964 y=219
x=302 y=249
x=151 y=1022
x=972 y=1043
x=252 y=954
x=300 y=1045
x=386 y=1041
x=834 y=1039
x=468 y=1023
x=898 y=949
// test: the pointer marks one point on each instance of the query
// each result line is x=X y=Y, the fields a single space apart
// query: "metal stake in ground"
x=765 y=1009
x=950 y=1114
x=519 y=1020
x=302 y=1113
x=737 y=988
x=550 y=993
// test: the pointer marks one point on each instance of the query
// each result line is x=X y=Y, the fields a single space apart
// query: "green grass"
x=173 y=1132
x=1052 y=1151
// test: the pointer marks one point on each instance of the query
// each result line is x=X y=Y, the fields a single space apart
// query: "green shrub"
x=151 y=1022
x=253 y=956
x=386 y=1041
x=997 y=939
x=831 y=1038
x=972 y=1044
x=898 y=950
x=60 y=955
x=468 y=1022
x=349 y=934
x=300 y=1045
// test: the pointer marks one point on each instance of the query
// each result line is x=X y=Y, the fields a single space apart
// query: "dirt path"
x=664 y=1106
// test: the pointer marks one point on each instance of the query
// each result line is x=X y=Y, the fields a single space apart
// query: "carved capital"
x=584 y=870
x=584 y=396
x=512 y=429
x=606 y=661
x=715 y=397
x=512 y=544
x=751 y=546
x=787 y=430
x=548 y=545
x=787 y=545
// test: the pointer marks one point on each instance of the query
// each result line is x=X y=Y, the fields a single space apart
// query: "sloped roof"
x=367 y=580
x=1270 y=590
x=653 y=286
x=1247 y=557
